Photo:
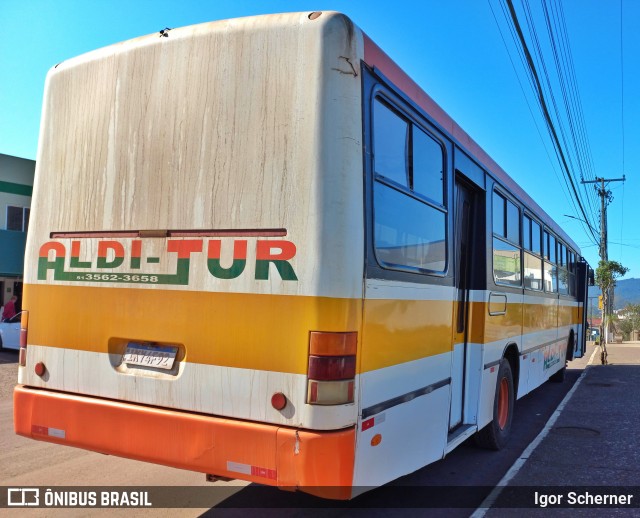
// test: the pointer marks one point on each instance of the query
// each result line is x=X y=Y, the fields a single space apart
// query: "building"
x=16 y=186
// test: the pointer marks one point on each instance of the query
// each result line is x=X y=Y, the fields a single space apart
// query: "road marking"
x=517 y=465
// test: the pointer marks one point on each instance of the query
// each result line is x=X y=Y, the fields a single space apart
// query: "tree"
x=631 y=320
x=626 y=327
x=606 y=275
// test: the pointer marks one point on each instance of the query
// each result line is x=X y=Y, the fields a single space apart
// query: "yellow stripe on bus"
x=248 y=330
x=262 y=332
x=398 y=331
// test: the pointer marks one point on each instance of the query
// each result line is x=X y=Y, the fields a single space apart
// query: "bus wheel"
x=496 y=434
x=559 y=376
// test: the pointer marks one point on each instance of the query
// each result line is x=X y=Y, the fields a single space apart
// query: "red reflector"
x=278 y=401
x=22 y=357
x=332 y=368
x=40 y=369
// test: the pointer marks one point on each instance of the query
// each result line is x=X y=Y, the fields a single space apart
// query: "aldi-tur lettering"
x=110 y=261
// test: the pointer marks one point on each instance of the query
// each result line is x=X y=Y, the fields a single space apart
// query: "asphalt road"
x=24 y=462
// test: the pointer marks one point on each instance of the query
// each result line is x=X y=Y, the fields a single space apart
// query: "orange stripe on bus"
x=321 y=462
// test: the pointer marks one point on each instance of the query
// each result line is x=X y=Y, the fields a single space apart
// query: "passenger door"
x=465 y=241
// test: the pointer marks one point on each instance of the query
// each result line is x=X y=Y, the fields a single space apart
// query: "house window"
x=17 y=218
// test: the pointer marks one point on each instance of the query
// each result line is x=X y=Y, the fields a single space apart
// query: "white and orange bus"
x=258 y=250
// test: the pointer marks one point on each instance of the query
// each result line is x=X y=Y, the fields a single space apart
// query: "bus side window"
x=550 y=270
x=428 y=166
x=507 y=255
x=408 y=194
x=564 y=280
x=391 y=138
x=532 y=260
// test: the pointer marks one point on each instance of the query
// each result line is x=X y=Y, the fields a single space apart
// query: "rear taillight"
x=24 y=326
x=332 y=368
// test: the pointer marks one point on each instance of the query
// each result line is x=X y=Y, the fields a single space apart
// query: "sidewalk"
x=595 y=441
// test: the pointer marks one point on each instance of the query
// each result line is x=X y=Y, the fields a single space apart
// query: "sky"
x=460 y=52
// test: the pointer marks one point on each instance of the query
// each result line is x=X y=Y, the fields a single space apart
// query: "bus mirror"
x=591 y=280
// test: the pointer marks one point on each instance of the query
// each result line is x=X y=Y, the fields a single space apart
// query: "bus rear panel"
x=191 y=251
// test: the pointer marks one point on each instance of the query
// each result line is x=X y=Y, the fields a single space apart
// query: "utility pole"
x=605 y=198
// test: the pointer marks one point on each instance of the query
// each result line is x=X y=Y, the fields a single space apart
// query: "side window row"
x=408 y=193
x=529 y=255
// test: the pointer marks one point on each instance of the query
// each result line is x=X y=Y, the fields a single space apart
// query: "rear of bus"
x=194 y=265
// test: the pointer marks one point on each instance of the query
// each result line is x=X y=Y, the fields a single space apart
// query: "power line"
x=622 y=85
x=510 y=27
x=559 y=38
x=622 y=120
x=545 y=110
x=540 y=57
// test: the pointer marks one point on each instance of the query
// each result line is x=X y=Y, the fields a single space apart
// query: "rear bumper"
x=320 y=463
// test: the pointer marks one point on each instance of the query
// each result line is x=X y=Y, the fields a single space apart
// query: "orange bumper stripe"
x=316 y=462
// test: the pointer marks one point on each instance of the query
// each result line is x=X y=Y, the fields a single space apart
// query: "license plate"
x=156 y=356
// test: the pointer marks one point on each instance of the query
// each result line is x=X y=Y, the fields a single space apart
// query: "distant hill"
x=627 y=292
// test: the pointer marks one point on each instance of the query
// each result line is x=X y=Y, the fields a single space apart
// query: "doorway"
x=468 y=264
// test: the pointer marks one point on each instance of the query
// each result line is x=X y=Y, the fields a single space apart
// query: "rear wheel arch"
x=571 y=343
x=512 y=355
x=496 y=434
x=559 y=376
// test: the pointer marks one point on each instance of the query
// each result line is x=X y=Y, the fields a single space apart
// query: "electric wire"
x=558 y=36
x=568 y=95
x=535 y=122
x=540 y=60
x=539 y=56
x=530 y=78
x=553 y=131
x=574 y=139
x=622 y=86
x=622 y=122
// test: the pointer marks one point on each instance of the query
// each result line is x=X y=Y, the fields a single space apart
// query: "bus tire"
x=559 y=376
x=496 y=434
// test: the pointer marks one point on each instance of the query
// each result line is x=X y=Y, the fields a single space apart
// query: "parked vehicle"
x=10 y=332
x=285 y=263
